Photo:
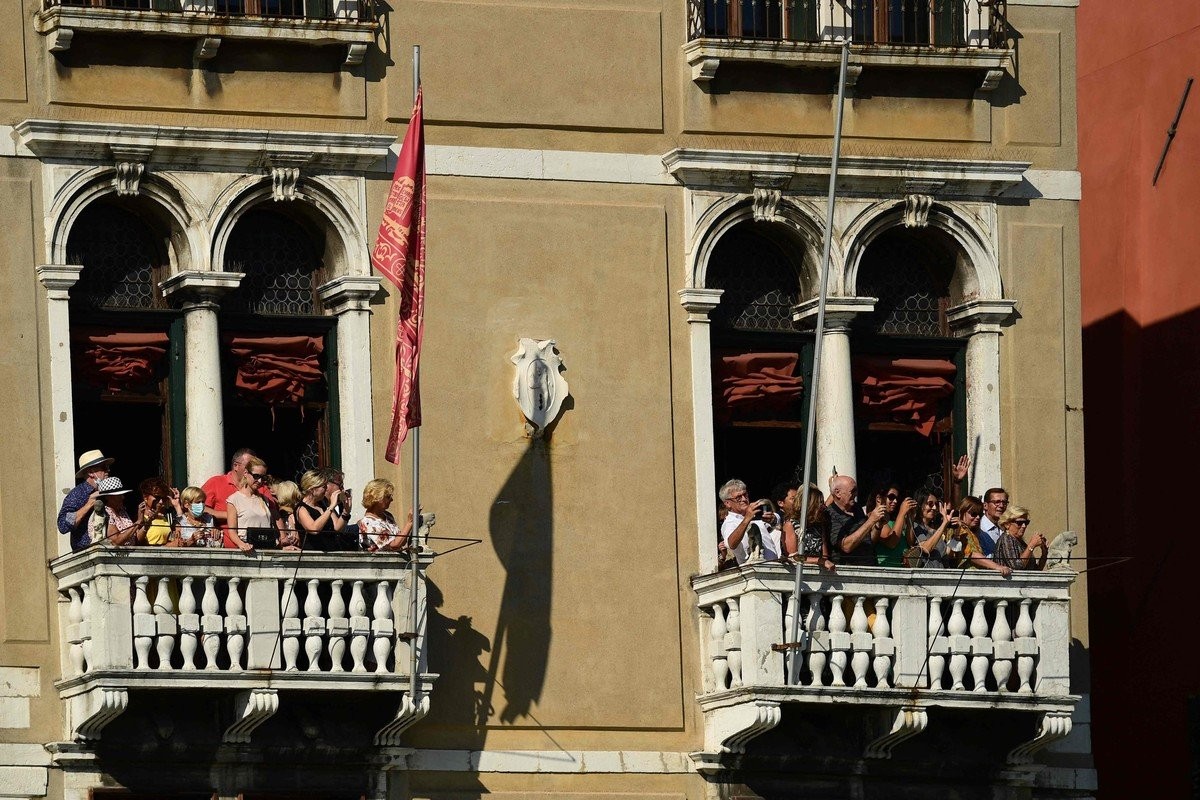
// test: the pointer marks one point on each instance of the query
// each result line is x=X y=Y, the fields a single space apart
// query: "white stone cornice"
x=58 y=279
x=200 y=284
x=739 y=170
x=976 y=316
x=839 y=311
x=178 y=147
x=349 y=292
x=699 y=302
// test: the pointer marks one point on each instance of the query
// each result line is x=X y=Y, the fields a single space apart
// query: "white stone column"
x=58 y=280
x=204 y=426
x=699 y=302
x=979 y=321
x=348 y=298
x=835 y=389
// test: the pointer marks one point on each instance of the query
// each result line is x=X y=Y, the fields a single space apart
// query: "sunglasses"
x=1021 y=522
x=893 y=497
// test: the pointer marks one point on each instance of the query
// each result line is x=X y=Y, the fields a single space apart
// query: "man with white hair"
x=740 y=521
x=852 y=533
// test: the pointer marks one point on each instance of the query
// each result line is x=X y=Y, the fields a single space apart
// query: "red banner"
x=399 y=255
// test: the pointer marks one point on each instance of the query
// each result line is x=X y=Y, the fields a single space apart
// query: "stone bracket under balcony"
x=705 y=57
x=60 y=24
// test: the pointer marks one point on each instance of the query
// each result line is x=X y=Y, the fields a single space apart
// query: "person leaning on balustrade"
x=287 y=497
x=109 y=521
x=852 y=533
x=247 y=508
x=963 y=549
x=77 y=506
x=814 y=549
x=743 y=523
x=378 y=524
x=194 y=527
x=1013 y=548
x=157 y=498
x=896 y=533
x=929 y=533
x=316 y=516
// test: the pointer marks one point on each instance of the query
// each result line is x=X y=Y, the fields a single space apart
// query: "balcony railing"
x=158 y=619
x=951 y=34
x=900 y=639
x=350 y=23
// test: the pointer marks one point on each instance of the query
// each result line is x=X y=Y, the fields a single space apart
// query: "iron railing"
x=325 y=10
x=912 y=23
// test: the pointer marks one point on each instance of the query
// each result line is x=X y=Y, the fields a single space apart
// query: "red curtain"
x=904 y=390
x=119 y=360
x=755 y=384
x=276 y=370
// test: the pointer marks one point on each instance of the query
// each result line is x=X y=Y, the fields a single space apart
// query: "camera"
x=762 y=509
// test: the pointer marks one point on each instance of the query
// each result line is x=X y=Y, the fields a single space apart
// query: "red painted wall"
x=1140 y=249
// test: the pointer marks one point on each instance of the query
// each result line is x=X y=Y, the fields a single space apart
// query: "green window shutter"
x=948 y=23
x=803 y=21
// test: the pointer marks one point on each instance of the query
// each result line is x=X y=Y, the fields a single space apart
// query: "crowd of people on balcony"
x=893 y=529
x=243 y=509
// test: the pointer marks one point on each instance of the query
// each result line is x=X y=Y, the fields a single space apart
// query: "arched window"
x=277 y=347
x=907 y=370
x=126 y=354
x=761 y=360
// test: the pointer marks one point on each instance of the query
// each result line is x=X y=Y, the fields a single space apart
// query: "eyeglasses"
x=893 y=497
x=997 y=502
x=258 y=476
x=1020 y=522
x=740 y=496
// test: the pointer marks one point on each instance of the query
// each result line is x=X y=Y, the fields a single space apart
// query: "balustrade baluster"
x=981 y=647
x=143 y=623
x=1026 y=646
x=85 y=625
x=818 y=640
x=74 y=639
x=937 y=661
x=883 y=645
x=290 y=629
x=165 y=623
x=235 y=624
x=860 y=643
x=383 y=627
x=720 y=663
x=338 y=627
x=839 y=641
x=314 y=626
x=360 y=627
x=960 y=645
x=789 y=615
x=210 y=623
x=189 y=623
x=1002 y=645
x=733 y=643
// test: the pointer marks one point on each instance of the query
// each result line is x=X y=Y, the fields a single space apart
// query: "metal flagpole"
x=793 y=641
x=414 y=545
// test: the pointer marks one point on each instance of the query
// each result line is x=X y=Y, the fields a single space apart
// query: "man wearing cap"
x=72 y=516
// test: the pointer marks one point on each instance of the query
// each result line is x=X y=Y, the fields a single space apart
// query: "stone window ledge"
x=705 y=56
x=61 y=23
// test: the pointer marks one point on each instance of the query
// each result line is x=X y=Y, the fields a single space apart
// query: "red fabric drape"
x=904 y=390
x=755 y=383
x=276 y=370
x=120 y=360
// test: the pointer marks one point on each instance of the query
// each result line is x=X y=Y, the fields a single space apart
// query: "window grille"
x=760 y=283
x=281 y=262
x=911 y=280
x=119 y=256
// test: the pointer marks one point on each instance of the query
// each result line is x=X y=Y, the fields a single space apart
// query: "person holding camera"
x=930 y=534
x=1015 y=549
x=853 y=533
x=78 y=506
x=319 y=516
x=247 y=508
x=157 y=499
x=744 y=531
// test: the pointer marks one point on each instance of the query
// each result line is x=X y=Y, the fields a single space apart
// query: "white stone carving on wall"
x=539 y=386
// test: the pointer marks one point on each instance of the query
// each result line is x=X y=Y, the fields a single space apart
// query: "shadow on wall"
x=1142 y=400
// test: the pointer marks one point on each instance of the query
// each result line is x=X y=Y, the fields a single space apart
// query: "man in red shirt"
x=218 y=488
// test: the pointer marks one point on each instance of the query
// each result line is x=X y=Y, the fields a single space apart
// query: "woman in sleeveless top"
x=247 y=508
x=378 y=524
x=315 y=517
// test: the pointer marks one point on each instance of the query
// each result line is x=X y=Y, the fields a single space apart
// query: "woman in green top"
x=896 y=534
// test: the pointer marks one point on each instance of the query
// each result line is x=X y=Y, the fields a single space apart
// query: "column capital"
x=58 y=279
x=839 y=312
x=349 y=293
x=200 y=286
x=980 y=316
x=699 y=302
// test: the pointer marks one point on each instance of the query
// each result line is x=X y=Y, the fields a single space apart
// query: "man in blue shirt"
x=77 y=505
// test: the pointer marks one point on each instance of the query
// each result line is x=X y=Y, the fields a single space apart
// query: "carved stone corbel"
x=355 y=53
x=103 y=704
x=991 y=79
x=60 y=39
x=916 y=210
x=766 y=204
x=206 y=48
x=907 y=723
x=1053 y=726
x=131 y=166
x=705 y=69
x=252 y=708
x=283 y=183
x=410 y=713
x=853 y=72
x=728 y=729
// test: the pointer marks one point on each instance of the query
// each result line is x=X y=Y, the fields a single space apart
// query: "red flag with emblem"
x=399 y=255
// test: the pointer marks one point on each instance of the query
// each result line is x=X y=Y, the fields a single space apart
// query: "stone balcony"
x=898 y=640
x=241 y=627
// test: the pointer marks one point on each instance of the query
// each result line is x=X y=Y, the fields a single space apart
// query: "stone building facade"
x=643 y=184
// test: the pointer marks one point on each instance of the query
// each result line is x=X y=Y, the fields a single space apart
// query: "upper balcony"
x=349 y=23
x=155 y=619
x=895 y=34
x=899 y=640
